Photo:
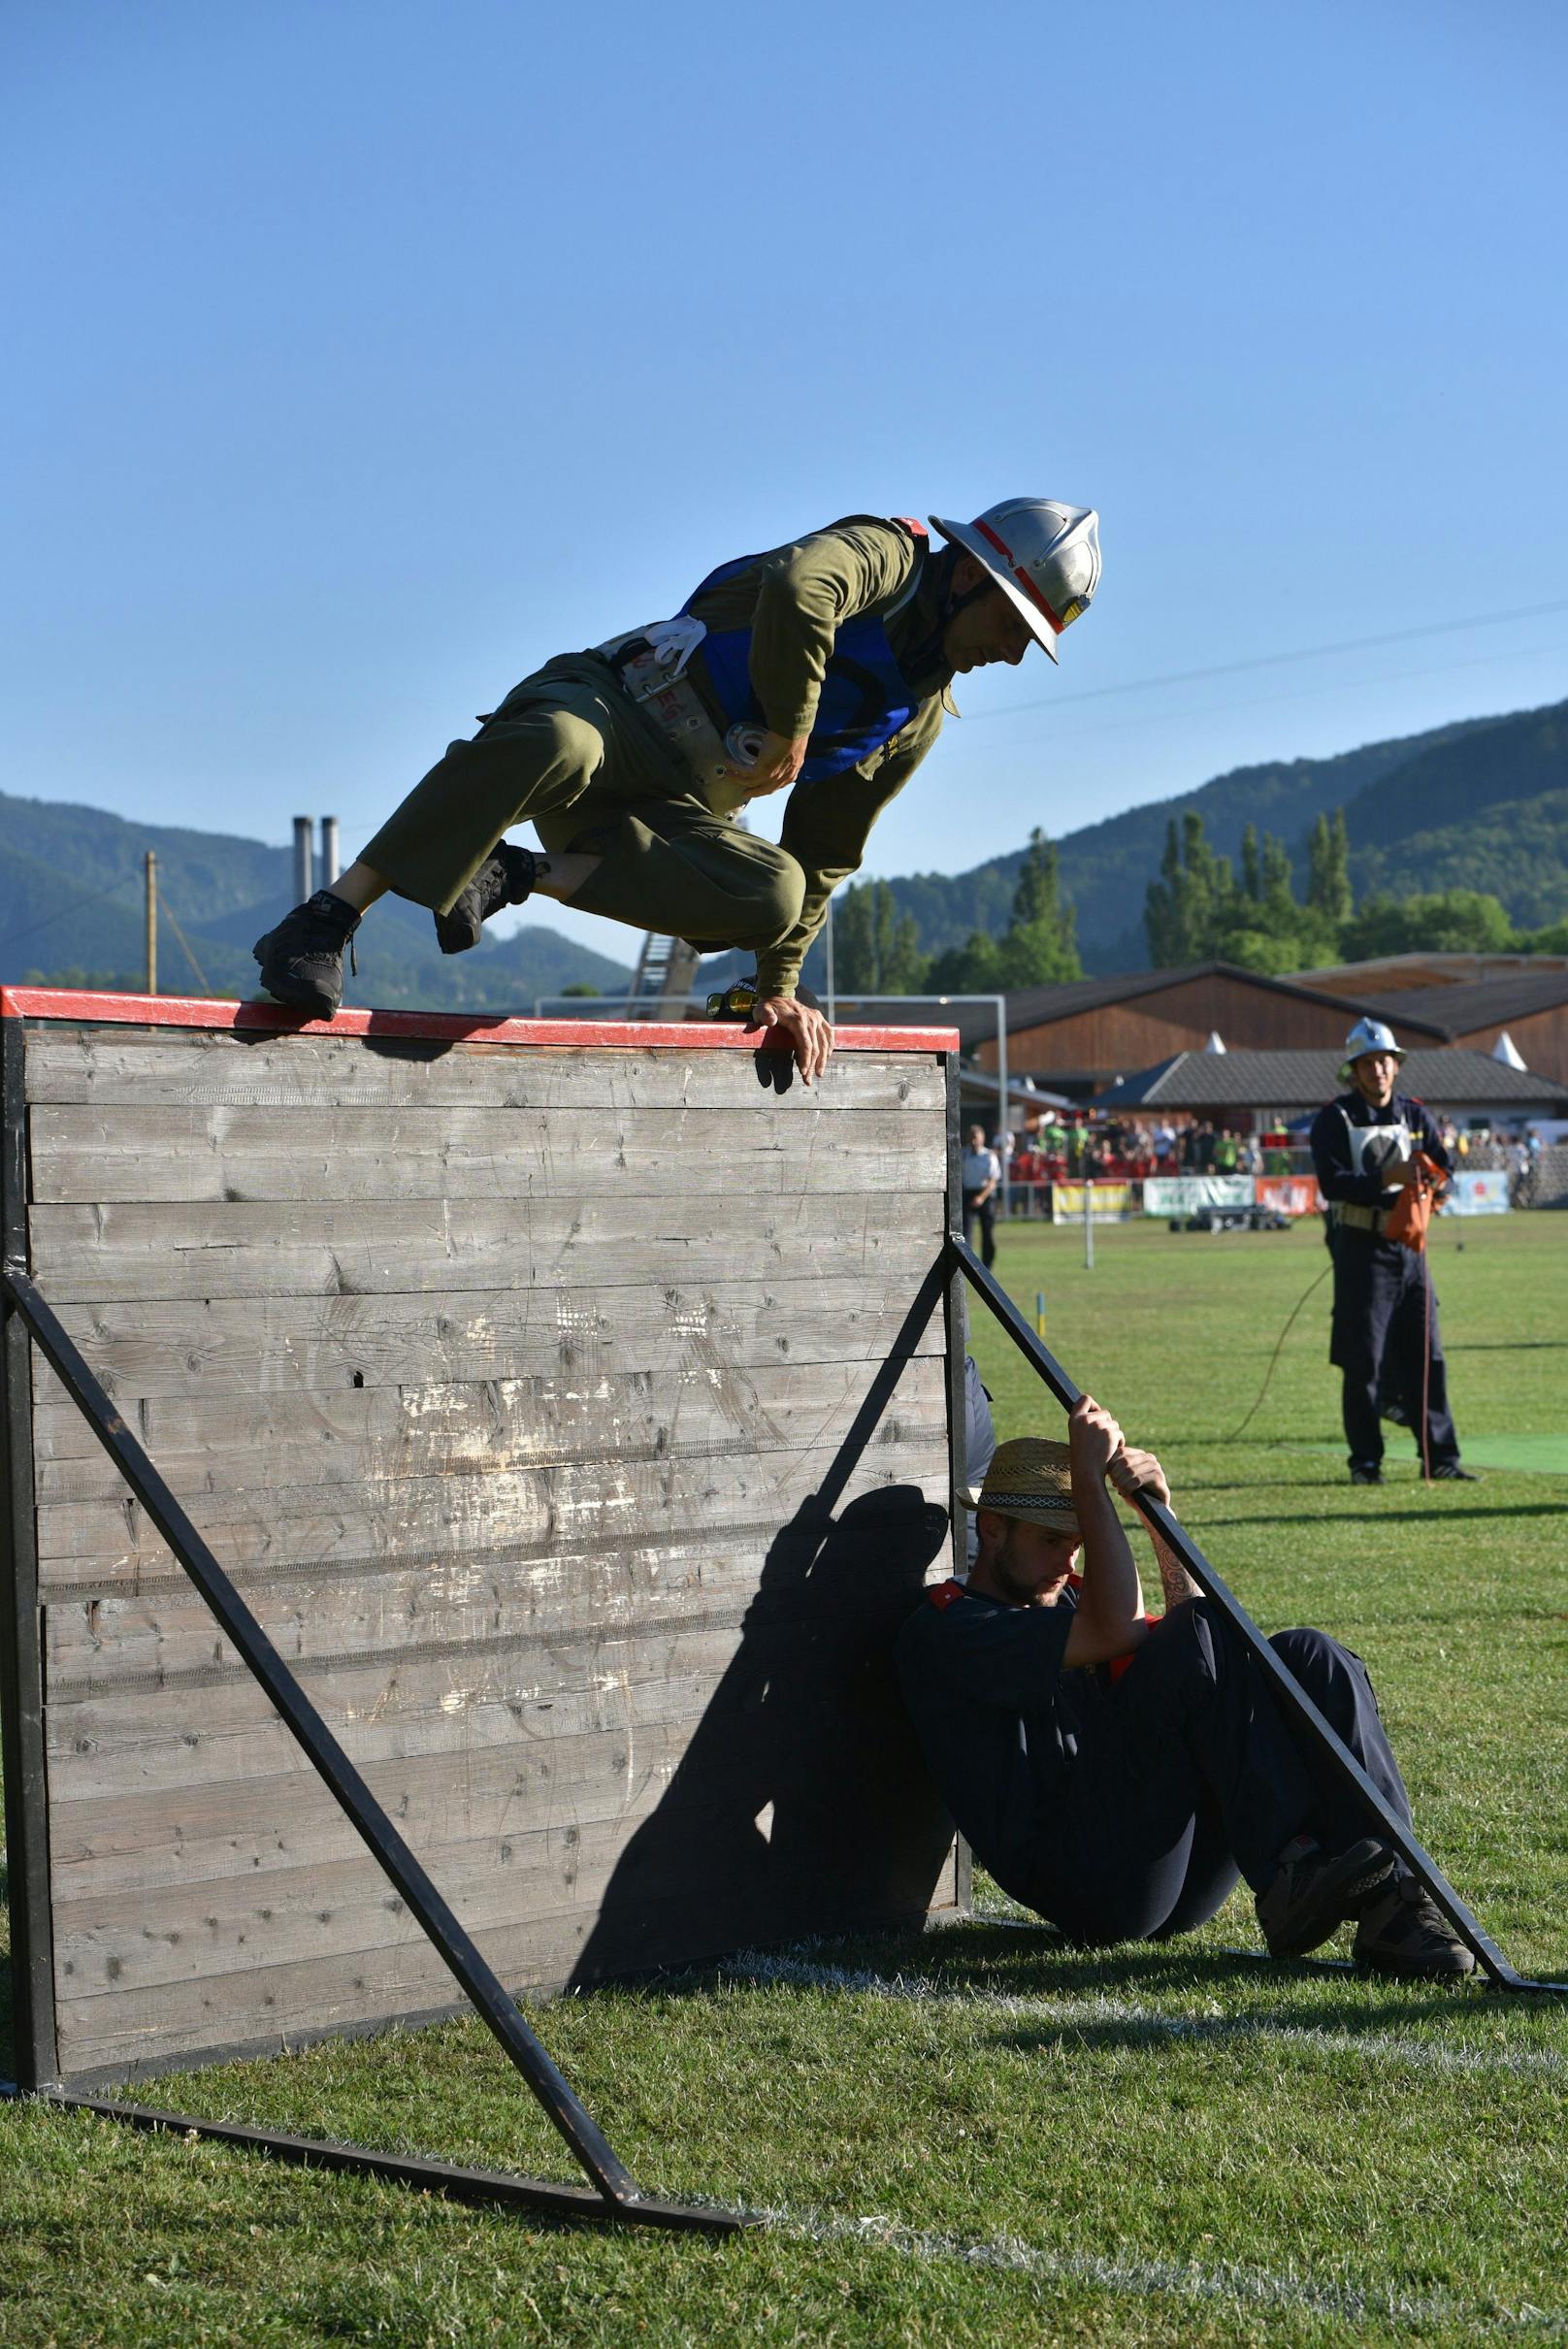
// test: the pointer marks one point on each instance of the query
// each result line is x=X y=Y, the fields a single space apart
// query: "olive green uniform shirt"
x=794 y=600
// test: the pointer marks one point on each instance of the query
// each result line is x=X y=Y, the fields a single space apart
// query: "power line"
x=164 y=907
x=81 y=898
x=78 y=898
x=1300 y=693
x=1310 y=652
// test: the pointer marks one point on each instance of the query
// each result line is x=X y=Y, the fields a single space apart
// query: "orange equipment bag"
x=1414 y=1209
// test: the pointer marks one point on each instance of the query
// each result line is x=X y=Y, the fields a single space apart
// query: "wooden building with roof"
x=1088 y=1034
x=1256 y=1091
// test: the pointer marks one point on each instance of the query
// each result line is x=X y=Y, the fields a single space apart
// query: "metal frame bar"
x=616 y=2195
x=1287 y=1690
x=956 y=1326
x=493 y=2189
x=21 y=1669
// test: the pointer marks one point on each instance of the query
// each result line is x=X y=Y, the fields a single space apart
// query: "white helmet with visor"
x=1045 y=555
x=1368 y=1035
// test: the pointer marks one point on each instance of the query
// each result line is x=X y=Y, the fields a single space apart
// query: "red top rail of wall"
x=444 y=1027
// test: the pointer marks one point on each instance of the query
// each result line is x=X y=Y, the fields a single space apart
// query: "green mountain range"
x=1479 y=804
x=72 y=910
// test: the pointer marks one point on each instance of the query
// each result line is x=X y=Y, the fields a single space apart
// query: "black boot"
x=1315 y=1891
x=505 y=878
x=1404 y=1931
x=302 y=959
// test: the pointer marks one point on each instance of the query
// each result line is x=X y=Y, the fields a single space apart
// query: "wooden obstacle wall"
x=531 y=1382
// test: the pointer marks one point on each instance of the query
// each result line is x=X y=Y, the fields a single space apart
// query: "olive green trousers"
x=571 y=753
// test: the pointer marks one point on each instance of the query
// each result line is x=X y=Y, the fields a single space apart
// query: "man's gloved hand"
x=811 y=1039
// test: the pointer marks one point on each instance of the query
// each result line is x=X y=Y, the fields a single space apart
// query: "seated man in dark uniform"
x=1118 y=1775
x=1386 y=1342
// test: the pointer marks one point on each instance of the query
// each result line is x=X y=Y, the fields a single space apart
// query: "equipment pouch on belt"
x=651 y=663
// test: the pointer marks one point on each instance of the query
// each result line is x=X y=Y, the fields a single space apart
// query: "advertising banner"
x=1288 y=1194
x=1185 y=1195
x=1111 y=1203
x=1478 y=1194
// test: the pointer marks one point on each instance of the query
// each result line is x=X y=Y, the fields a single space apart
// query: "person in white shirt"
x=980 y=1178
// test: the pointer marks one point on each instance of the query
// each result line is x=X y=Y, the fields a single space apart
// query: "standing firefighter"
x=1368 y=1147
x=821 y=668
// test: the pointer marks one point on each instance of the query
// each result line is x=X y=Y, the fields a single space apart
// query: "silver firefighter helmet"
x=1368 y=1035
x=1045 y=555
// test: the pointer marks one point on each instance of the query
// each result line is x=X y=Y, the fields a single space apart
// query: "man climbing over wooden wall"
x=822 y=668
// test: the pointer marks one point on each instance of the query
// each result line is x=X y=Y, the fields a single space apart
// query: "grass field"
x=979 y=2135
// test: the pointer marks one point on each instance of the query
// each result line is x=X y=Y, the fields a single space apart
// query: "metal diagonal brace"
x=1287 y=1691
x=617 y=2194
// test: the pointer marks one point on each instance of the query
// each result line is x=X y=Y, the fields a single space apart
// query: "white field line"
x=1244 y=2286
x=1423 y=2055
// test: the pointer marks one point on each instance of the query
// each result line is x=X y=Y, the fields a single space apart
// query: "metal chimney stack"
x=304 y=885
x=330 y=867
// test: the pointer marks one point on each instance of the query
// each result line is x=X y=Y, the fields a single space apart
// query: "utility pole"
x=151 y=867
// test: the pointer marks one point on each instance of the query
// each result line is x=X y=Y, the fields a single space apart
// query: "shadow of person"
x=800 y=1804
x=8 y=2034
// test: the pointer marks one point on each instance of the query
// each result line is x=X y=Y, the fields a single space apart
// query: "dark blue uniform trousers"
x=1380 y=1340
x=1189 y=1775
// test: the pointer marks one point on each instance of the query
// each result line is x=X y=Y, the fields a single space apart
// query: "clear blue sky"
x=363 y=353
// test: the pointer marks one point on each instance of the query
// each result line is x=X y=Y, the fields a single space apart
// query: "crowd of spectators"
x=1064 y=1148
x=1066 y=1145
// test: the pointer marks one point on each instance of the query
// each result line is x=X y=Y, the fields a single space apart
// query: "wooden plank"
x=286 y=2004
x=94 y=1639
x=158 y=1069
x=122 y=1841
x=86 y=1254
x=142 y=1841
x=226 y=1927
x=571 y=1557
x=450 y=1692
x=344 y=1156
x=311 y=1344
x=815 y=1777
x=210 y=1443
x=211 y=1721
x=463 y=1515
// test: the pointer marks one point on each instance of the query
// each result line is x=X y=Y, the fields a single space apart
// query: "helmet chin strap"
x=971 y=595
x=929 y=655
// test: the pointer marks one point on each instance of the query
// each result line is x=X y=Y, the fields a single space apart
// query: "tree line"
x=1202 y=909
x=877 y=950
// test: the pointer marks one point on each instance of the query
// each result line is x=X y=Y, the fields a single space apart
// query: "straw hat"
x=1029 y=1478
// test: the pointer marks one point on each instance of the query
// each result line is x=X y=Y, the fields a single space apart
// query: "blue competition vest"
x=865 y=698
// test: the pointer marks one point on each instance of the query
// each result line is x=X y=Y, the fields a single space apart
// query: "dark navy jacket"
x=1338 y=1149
